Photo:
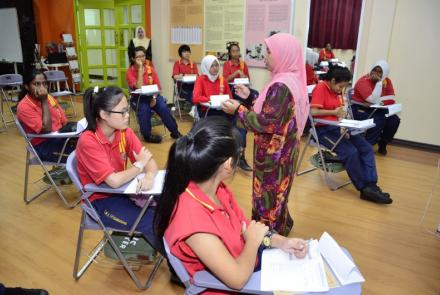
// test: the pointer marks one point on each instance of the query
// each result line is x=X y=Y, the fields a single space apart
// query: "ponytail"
x=100 y=99
x=195 y=157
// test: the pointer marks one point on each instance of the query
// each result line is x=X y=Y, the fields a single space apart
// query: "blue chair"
x=90 y=220
x=12 y=81
x=55 y=77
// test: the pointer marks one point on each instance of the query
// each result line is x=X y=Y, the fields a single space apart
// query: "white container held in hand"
x=217 y=100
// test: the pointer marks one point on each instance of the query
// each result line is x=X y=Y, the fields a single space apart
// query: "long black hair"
x=101 y=99
x=195 y=157
x=28 y=77
x=340 y=74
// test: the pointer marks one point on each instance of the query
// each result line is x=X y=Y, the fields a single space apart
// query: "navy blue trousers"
x=144 y=114
x=49 y=150
x=385 y=127
x=119 y=212
x=356 y=154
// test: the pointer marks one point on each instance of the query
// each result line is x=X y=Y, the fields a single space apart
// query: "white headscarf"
x=206 y=64
x=144 y=42
x=375 y=96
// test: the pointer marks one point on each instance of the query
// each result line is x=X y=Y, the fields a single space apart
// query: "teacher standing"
x=277 y=120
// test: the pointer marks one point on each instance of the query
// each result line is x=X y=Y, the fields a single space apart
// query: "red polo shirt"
x=325 y=55
x=150 y=77
x=30 y=115
x=187 y=69
x=364 y=88
x=229 y=67
x=325 y=98
x=310 y=74
x=197 y=213
x=204 y=88
x=98 y=158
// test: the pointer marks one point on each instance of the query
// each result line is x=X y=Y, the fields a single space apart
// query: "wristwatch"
x=267 y=240
x=138 y=165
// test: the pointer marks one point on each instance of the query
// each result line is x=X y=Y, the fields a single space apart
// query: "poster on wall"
x=263 y=19
x=186 y=27
x=223 y=23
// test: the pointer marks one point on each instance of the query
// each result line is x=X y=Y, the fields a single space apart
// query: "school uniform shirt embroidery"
x=181 y=68
x=229 y=67
x=149 y=78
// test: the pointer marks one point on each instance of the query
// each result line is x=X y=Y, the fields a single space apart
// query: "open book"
x=155 y=190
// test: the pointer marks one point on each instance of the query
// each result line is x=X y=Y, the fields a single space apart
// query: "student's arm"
x=46 y=116
x=317 y=104
x=139 y=74
x=176 y=73
x=228 y=73
x=339 y=112
x=198 y=94
x=233 y=272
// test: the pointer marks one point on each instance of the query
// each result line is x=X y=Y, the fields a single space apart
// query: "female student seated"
x=39 y=112
x=184 y=66
x=212 y=83
x=354 y=151
x=140 y=73
x=198 y=214
x=103 y=152
x=326 y=53
x=376 y=88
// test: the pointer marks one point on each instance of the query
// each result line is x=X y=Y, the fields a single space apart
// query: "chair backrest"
x=23 y=133
x=177 y=266
x=71 y=167
x=11 y=80
x=55 y=76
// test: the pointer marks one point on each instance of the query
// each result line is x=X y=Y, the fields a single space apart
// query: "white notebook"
x=217 y=100
x=155 y=190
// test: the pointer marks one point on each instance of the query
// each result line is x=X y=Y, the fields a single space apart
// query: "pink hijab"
x=289 y=69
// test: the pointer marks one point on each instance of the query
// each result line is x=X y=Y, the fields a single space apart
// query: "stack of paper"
x=284 y=272
x=357 y=124
x=343 y=268
x=189 y=78
x=217 y=100
x=155 y=190
x=242 y=81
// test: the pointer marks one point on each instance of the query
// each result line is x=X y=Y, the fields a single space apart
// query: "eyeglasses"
x=39 y=84
x=123 y=113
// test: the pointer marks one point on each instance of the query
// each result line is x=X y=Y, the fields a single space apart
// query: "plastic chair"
x=55 y=77
x=13 y=81
x=90 y=220
x=32 y=158
x=177 y=98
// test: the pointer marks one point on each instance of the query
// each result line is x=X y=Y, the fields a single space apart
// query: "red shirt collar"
x=199 y=196
x=103 y=139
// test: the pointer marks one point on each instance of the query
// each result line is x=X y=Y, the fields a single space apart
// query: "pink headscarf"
x=289 y=69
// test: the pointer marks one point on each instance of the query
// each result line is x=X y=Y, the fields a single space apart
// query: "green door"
x=105 y=29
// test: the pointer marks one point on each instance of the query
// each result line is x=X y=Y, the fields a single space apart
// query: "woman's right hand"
x=254 y=232
x=144 y=156
x=242 y=91
x=41 y=93
x=340 y=112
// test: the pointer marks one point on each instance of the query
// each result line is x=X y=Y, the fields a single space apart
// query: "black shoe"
x=375 y=186
x=22 y=291
x=176 y=135
x=154 y=139
x=243 y=164
x=382 y=148
x=370 y=193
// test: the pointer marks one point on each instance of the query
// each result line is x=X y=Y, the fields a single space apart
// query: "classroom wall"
x=397 y=30
x=51 y=21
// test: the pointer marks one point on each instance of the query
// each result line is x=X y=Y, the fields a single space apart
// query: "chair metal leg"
x=301 y=158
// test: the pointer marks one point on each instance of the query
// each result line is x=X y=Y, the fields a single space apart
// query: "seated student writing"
x=103 y=152
x=354 y=151
x=376 y=88
x=39 y=112
x=198 y=214
x=210 y=82
x=326 y=53
x=184 y=66
x=139 y=74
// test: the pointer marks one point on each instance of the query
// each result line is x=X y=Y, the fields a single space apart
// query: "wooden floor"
x=394 y=252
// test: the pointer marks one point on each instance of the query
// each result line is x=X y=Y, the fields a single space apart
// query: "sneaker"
x=154 y=139
x=370 y=193
x=243 y=164
x=176 y=135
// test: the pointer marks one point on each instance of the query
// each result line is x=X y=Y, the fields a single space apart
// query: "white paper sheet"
x=217 y=100
x=281 y=271
x=155 y=190
x=357 y=124
x=189 y=78
x=147 y=90
x=242 y=81
x=344 y=269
